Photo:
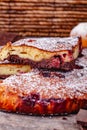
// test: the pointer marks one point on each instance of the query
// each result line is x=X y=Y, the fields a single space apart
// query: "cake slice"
x=46 y=53
x=7 y=69
x=46 y=93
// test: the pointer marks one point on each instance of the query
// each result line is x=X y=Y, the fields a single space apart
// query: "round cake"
x=46 y=92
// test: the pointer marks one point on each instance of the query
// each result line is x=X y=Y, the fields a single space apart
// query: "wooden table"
x=9 y=121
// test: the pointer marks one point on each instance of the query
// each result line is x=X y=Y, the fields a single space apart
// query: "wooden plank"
x=4 y=3
x=51 y=1
x=58 y=1
x=40 y=20
x=72 y=1
x=48 y=14
x=82 y=118
x=37 y=3
x=19 y=122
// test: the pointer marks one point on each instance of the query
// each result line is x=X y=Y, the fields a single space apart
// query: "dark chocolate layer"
x=52 y=63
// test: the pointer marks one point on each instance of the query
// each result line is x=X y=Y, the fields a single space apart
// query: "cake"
x=7 y=69
x=46 y=92
x=43 y=53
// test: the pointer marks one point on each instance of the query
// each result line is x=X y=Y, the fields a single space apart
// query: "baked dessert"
x=46 y=92
x=80 y=30
x=7 y=69
x=46 y=53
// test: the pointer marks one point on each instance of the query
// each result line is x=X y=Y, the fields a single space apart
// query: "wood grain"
x=53 y=17
x=10 y=121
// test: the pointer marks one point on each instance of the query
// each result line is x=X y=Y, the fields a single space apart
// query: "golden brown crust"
x=52 y=93
x=34 y=105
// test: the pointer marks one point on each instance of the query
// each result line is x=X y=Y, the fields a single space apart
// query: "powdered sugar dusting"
x=50 y=44
x=4 y=62
x=74 y=85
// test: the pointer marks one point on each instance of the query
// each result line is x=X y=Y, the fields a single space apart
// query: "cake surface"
x=49 y=44
x=48 y=53
x=46 y=92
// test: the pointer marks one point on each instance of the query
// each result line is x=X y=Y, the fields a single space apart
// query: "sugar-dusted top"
x=72 y=85
x=50 y=44
x=4 y=62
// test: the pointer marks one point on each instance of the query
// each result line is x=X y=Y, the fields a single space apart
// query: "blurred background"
x=40 y=18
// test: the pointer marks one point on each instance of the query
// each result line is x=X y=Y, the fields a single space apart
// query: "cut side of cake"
x=43 y=53
x=46 y=92
x=7 y=69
